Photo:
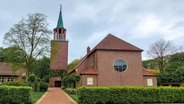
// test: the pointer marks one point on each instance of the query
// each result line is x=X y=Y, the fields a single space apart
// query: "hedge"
x=130 y=95
x=15 y=95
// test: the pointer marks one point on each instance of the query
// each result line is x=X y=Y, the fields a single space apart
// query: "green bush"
x=15 y=95
x=70 y=90
x=32 y=78
x=127 y=95
x=15 y=83
x=43 y=86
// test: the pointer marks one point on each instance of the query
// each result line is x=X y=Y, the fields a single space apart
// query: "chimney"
x=88 y=50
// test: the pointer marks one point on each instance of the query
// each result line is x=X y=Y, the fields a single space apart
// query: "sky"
x=139 y=22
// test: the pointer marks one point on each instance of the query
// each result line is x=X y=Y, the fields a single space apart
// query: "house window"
x=91 y=60
x=10 y=79
x=1 y=80
x=89 y=80
x=149 y=82
x=120 y=65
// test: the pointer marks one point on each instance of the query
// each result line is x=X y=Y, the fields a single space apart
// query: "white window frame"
x=89 y=80
x=149 y=82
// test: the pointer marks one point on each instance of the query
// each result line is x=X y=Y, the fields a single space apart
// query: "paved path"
x=55 y=96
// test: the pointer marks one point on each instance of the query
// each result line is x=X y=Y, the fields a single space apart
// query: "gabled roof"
x=8 y=69
x=111 y=42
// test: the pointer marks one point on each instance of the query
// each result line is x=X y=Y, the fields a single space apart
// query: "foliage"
x=150 y=64
x=74 y=97
x=70 y=90
x=160 y=49
x=70 y=80
x=11 y=55
x=174 y=69
x=2 y=57
x=15 y=95
x=57 y=73
x=43 y=86
x=32 y=78
x=54 y=50
x=176 y=76
x=73 y=64
x=35 y=96
x=41 y=68
x=15 y=83
x=130 y=95
x=31 y=36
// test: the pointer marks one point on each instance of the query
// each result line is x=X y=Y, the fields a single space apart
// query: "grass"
x=74 y=97
x=35 y=96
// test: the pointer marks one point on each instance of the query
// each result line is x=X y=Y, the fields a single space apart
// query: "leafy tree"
x=11 y=55
x=150 y=64
x=2 y=57
x=73 y=64
x=41 y=68
x=160 y=49
x=174 y=70
x=176 y=76
x=31 y=36
x=70 y=80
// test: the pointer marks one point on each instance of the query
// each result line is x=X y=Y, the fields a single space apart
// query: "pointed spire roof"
x=60 y=19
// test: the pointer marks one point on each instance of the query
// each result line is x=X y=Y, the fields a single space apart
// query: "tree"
x=70 y=80
x=31 y=36
x=2 y=54
x=73 y=64
x=41 y=68
x=160 y=49
x=11 y=55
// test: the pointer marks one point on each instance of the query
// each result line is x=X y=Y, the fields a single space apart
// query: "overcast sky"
x=139 y=22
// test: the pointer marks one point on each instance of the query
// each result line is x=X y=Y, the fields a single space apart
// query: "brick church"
x=112 y=62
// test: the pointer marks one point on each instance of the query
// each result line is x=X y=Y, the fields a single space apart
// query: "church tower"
x=59 y=51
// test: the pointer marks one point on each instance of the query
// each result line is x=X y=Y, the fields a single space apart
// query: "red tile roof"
x=89 y=71
x=111 y=42
x=148 y=73
x=8 y=69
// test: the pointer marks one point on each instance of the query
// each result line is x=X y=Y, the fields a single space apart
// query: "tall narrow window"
x=59 y=31
x=149 y=82
x=89 y=80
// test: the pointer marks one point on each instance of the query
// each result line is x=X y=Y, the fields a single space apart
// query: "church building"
x=112 y=62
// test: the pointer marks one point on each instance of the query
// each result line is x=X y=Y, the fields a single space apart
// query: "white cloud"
x=147 y=26
x=95 y=38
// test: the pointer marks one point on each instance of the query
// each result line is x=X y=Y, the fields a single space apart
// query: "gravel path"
x=55 y=96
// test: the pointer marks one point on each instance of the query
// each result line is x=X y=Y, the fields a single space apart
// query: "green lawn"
x=74 y=97
x=35 y=96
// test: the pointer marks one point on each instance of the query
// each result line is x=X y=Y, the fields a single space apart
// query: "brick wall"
x=108 y=76
x=59 y=55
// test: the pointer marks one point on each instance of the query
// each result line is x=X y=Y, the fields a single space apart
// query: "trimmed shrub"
x=16 y=83
x=43 y=86
x=70 y=90
x=15 y=95
x=133 y=95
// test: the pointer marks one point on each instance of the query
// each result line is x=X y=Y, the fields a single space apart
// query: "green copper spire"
x=60 y=20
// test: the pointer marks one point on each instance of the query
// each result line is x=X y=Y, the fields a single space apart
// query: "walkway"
x=55 y=96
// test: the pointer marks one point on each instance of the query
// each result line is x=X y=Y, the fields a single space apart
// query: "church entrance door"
x=57 y=83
